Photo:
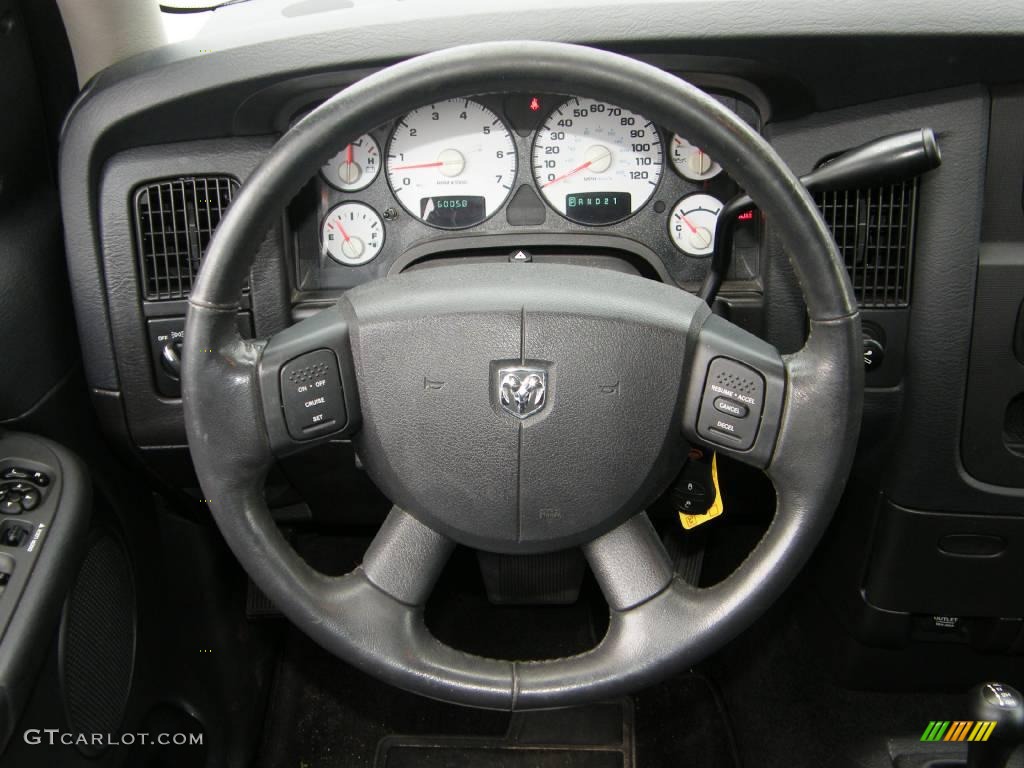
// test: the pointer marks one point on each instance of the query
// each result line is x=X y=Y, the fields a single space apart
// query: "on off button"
x=311 y=395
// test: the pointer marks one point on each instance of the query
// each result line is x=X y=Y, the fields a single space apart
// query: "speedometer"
x=596 y=163
x=451 y=164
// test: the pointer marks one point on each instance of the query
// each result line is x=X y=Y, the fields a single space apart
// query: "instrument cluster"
x=502 y=165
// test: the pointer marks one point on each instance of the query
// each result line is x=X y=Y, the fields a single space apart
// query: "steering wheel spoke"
x=406 y=557
x=630 y=564
x=307 y=383
x=735 y=395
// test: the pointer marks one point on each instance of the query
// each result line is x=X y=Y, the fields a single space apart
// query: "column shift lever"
x=1004 y=705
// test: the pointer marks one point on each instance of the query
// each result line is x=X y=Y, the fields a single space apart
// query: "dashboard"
x=479 y=177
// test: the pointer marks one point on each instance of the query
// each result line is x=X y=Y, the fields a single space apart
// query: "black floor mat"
x=596 y=736
x=326 y=714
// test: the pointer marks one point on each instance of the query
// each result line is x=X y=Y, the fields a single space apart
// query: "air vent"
x=874 y=229
x=174 y=221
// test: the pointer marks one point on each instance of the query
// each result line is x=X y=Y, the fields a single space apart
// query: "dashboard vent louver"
x=874 y=229
x=174 y=221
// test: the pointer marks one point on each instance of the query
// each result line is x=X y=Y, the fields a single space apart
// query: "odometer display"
x=453 y=211
x=451 y=164
x=590 y=150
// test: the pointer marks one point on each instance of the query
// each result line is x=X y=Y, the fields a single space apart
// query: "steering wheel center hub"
x=521 y=407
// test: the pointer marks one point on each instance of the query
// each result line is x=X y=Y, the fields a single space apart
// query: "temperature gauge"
x=352 y=234
x=692 y=162
x=355 y=167
x=692 y=224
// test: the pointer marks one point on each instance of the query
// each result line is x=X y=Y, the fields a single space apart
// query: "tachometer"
x=451 y=164
x=596 y=163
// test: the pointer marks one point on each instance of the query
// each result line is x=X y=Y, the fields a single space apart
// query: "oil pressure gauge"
x=352 y=234
x=692 y=162
x=692 y=224
x=355 y=167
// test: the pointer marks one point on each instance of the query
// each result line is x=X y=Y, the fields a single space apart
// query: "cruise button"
x=312 y=396
x=731 y=407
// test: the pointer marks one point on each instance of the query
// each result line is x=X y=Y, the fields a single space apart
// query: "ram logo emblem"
x=522 y=391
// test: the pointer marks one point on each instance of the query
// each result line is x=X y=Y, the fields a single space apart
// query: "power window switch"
x=13 y=534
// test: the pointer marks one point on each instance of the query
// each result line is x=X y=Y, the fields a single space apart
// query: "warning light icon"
x=534 y=104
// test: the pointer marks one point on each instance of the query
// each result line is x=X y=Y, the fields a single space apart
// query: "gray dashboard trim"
x=190 y=90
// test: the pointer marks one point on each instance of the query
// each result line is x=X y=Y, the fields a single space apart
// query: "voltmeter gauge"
x=352 y=234
x=693 y=222
x=355 y=167
x=691 y=161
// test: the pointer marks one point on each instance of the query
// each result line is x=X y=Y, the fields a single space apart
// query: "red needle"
x=348 y=154
x=418 y=165
x=347 y=238
x=577 y=169
x=686 y=221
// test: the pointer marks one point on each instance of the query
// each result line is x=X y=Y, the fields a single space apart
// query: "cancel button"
x=731 y=407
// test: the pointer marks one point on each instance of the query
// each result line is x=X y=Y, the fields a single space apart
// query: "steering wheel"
x=521 y=408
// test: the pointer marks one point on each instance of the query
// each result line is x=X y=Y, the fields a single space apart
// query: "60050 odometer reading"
x=596 y=163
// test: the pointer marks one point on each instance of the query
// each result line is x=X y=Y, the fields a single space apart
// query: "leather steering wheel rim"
x=373 y=617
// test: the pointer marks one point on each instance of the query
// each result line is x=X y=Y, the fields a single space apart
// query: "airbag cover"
x=608 y=352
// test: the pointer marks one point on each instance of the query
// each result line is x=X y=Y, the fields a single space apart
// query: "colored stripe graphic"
x=958 y=730
x=984 y=731
x=935 y=731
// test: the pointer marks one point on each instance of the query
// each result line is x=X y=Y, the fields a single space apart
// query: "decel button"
x=311 y=395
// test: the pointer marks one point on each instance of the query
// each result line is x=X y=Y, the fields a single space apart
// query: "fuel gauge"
x=352 y=234
x=355 y=167
x=692 y=224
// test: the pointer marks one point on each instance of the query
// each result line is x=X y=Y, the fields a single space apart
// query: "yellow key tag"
x=692 y=521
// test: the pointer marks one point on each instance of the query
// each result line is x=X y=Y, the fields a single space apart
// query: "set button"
x=311 y=395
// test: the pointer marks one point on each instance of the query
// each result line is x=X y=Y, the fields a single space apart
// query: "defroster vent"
x=174 y=221
x=874 y=229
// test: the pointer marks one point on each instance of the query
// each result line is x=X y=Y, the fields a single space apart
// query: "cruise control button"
x=739 y=410
x=311 y=395
x=30 y=500
x=730 y=411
